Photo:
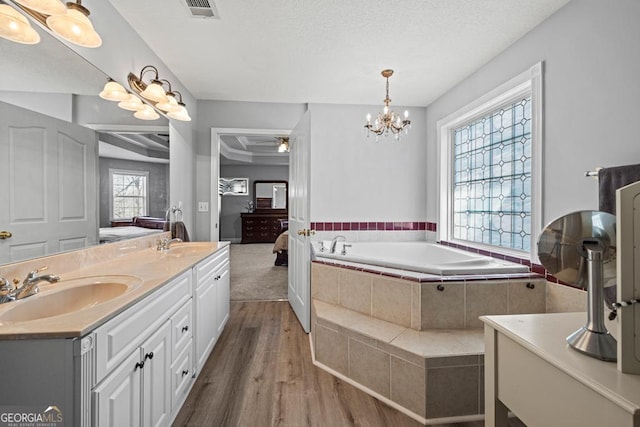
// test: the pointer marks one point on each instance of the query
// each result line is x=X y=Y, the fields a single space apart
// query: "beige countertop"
x=153 y=268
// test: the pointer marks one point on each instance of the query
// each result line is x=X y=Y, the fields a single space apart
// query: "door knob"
x=5 y=235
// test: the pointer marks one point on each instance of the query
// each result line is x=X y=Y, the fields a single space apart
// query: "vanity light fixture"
x=15 y=27
x=75 y=26
x=154 y=100
x=388 y=122
x=113 y=91
x=283 y=147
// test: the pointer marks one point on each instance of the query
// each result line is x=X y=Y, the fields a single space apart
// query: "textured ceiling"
x=331 y=51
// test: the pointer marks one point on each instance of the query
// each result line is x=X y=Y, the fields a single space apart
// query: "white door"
x=299 y=250
x=48 y=185
x=214 y=201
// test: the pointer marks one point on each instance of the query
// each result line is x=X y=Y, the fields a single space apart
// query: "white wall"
x=58 y=105
x=230 y=114
x=353 y=178
x=591 y=99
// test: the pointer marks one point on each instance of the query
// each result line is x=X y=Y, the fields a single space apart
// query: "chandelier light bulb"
x=406 y=114
x=15 y=27
x=154 y=92
x=182 y=114
x=170 y=105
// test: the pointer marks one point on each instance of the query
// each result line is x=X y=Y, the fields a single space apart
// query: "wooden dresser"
x=262 y=227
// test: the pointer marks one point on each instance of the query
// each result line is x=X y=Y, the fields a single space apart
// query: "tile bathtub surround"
x=432 y=374
x=535 y=268
x=450 y=305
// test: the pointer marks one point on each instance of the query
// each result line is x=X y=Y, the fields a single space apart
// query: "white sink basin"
x=188 y=248
x=75 y=295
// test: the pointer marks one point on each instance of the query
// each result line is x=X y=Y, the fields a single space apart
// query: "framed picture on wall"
x=233 y=186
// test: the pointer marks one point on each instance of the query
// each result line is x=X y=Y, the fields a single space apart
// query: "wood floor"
x=260 y=374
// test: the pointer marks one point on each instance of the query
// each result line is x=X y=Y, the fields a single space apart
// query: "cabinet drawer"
x=208 y=266
x=181 y=377
x=181 y=329
x=118 y=337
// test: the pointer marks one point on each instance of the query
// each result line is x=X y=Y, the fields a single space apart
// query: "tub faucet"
x=29 y=285
x=334 y=242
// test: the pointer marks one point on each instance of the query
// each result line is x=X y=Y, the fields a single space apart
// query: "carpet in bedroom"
x=253 y=275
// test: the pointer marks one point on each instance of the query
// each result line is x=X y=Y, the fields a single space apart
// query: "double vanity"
x=120 y=339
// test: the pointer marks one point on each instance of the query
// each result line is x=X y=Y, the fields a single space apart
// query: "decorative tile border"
x=375 y=226
x=535 y=268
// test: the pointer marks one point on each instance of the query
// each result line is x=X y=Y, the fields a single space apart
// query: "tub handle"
x=344 y=249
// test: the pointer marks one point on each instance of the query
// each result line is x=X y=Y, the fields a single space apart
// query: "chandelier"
x=388 y=122
x=283 y=147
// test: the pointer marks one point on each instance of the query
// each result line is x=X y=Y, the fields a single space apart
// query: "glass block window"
x=130 y=194
x=492 y=178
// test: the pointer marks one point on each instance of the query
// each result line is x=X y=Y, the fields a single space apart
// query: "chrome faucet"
x=165 y=244
x=29 y=286
x=334 y=242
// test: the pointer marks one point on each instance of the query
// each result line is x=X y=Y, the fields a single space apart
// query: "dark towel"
x=179 y=230
x=610 y=179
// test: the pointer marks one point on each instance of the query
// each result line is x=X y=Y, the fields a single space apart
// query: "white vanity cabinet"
x=136 y=368
x=136 y=355
x=211 y=299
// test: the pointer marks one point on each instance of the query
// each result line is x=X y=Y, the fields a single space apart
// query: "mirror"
x=233 y=186
x=53 y=87
x=270 y=195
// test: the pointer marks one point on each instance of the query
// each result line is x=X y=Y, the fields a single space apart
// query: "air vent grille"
x=202 y=9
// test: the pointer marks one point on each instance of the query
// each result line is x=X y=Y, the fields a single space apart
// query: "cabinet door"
x=156 y=378
x=206 y=320
x=222 y=297
x=117 y=399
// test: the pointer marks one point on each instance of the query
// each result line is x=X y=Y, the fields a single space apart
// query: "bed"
x=140 y=227
x=281 y=246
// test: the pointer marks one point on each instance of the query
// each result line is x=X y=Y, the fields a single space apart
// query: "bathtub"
x=420 y=257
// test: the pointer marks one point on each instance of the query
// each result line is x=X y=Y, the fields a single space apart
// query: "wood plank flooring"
x=260 y=374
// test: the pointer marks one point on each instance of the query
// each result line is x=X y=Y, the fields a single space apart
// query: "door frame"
x=216 y=136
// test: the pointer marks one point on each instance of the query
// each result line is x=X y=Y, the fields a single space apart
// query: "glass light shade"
x=75 y=27
x=182 y=114
x=170 y=105
x=48 y=7
x=15 y=27
x=113 y=91
x=147 y=113
x=132 y=103
x=154 y=92
x=283 y=147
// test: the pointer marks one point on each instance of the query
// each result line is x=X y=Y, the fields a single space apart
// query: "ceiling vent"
x=202 y=9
